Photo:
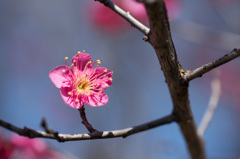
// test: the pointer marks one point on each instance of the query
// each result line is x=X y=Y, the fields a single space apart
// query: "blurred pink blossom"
x=82 y=82
x=106 y=19
x=136 y=9
x=173 y=8
x=17 y=147
x=6 y=148
x=230 y=82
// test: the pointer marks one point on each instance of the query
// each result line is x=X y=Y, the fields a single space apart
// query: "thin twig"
x=190 y=75
x=85 y=121
x=45 y=126
x=31 y=133
x=49 y=130
x=127 y=16
x=212 y=105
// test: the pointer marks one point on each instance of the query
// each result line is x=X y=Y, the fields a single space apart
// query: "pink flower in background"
x=82 y=82
x=136 y=9
x=6 y=148
x=106 y=19
x=17 y=147
x=173 y=8
x=103 y=17
x=32 y=149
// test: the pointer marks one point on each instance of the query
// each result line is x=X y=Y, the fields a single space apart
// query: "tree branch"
x=31 y=133
x=176 y=78
x=126 y=15
x=212 y=105
x=190 y=75
x=161 y=40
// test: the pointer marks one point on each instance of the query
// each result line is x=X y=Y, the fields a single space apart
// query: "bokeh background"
x=35 y=36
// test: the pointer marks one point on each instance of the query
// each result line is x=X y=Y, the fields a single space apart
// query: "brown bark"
x=160 y=39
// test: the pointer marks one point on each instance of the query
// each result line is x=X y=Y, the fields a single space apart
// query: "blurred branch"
x=202 y=35
x=190 y=75
x=212 y=105
x=223 y=13
x=126 y=15
x=31 y=133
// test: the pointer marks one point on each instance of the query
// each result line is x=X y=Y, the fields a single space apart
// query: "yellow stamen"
x=76 y=100
x=69 y=93
x=105 y=70
x=84 y=85
x=106 y=85
x=83 y=51
x=79 y=52
x=89 y=62
x=66 y=58
x=110 y=79
x=98 y=61
x=63 y=71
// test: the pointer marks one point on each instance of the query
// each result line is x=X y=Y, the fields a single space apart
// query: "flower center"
x=84 y=85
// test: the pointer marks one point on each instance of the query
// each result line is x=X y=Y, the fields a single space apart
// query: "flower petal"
x=95 y=100
x=69 y=100
x=104 y=78
x=57 y=77
x=81 y=60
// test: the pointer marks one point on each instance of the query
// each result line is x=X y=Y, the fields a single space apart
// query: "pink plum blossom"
x=104 y=18
x=6 y=148
x=82 y=82
x=136 y=9
x=174 y=8
x=18 y=147
x=32 y=148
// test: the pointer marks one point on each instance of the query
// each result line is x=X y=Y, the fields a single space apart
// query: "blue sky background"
x=35 y=36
